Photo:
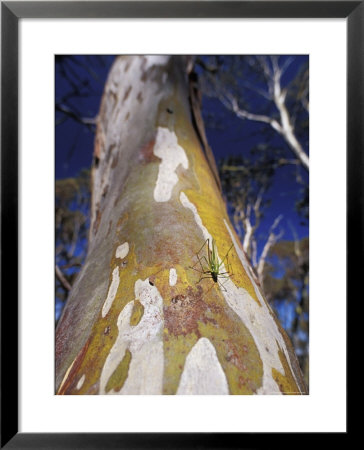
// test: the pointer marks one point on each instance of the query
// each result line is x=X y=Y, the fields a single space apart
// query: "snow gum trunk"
x=139 y=320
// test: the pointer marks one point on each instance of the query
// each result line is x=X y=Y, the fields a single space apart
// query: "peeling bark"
x=138 y=320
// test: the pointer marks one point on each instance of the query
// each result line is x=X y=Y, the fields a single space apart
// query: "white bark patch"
x=172 y=155
x=258 y=319
x=187 y=204
x=172 y=277
x=80 y=382
x=156 y=60
x=112 y=292
x=122 y=250
x=144 y=341
x=202 y=373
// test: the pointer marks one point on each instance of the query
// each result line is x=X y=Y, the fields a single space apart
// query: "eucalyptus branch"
x=272 y=239
x=62 y=279
x=88 y=121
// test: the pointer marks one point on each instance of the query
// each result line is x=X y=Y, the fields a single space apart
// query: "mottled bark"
x=138 y=320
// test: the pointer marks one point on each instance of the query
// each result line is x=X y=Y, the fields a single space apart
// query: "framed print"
x=38 y=35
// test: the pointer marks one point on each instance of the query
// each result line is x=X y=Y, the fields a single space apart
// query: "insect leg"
x=222 y=287
x=203 y=245
x=228 y=265
x=204 y=272
x=198 y=262
x=197 y=270
x=203 y=258
x=226 y=254
x=230 y=268
x=203 y=278
x=222 y=284
x=212 y=285
x=202 y=267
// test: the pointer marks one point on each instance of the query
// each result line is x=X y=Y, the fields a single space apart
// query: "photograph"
x=181 y=224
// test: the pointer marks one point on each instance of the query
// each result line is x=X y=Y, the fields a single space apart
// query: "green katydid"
x=210 y=265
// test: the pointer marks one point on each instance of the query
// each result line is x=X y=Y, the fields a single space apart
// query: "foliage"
x=72 y=205
x=286 y=284
x=245 y=181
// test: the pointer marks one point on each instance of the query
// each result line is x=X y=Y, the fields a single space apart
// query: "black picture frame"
x=11 y=12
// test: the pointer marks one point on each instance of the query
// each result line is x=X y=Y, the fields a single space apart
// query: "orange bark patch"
x=146 y=154
x=122 y=220
x=98 y=146
x=97 y=221
x=99 y=139
x=105 y=191
x=115 y=161
x=234 y=356
x=184 y=312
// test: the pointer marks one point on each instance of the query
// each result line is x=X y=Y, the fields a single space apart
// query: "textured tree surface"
x=138 y=320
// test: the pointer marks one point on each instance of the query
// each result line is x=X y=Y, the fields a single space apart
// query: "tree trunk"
x=138 y=320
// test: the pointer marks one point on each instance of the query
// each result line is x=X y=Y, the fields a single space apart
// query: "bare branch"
x=243 y=114
x=272 y=239
x=284 y=161
x=234 y=168
x=255 y=89
x=258 y=202
x=76 y=230
x=254 y=253
x=284 y=126
x=62 y=279
x=209 y=68
x=297 y=249
x=286 y=64
x=287 y=130
x=89 y=121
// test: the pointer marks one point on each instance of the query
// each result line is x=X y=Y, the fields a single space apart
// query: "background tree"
x=72 y=207
x=149 y=312
x=253 y=88
x=286 y=284
x=245 y=184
